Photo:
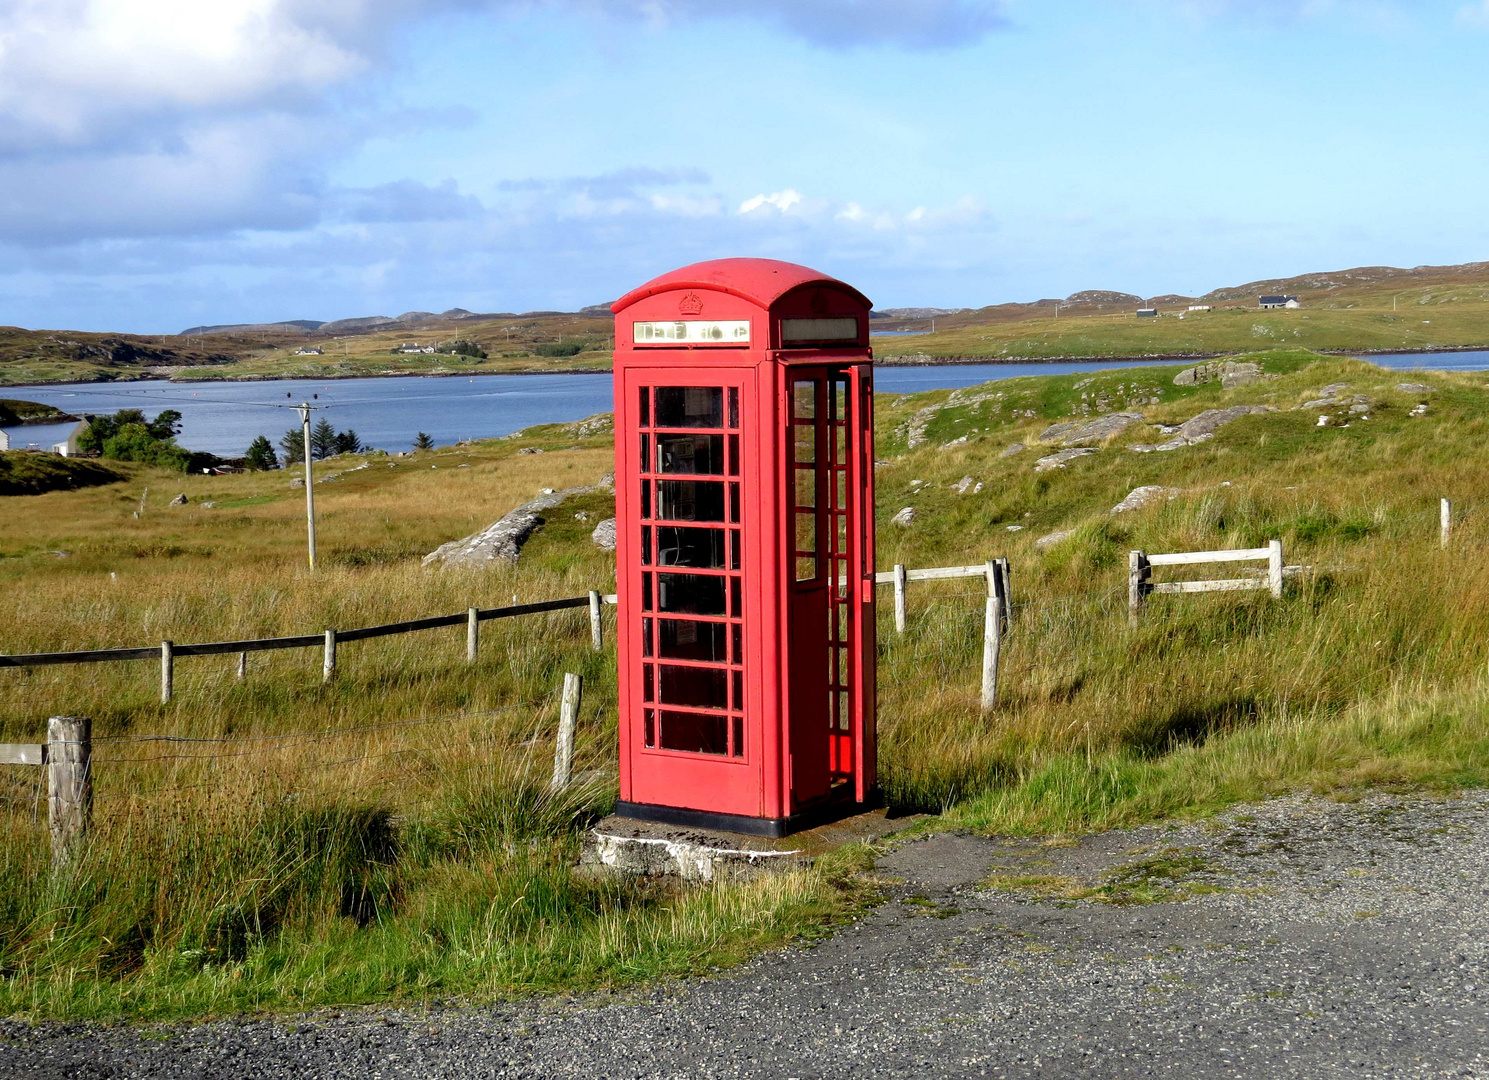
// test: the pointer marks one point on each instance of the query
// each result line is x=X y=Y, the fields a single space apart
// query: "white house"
x=1200 y=307
x=309 y=350
x=1270 y=302
x=68 y=447
x=4 y=441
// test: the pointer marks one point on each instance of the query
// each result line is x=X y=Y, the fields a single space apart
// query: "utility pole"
x=309 y=481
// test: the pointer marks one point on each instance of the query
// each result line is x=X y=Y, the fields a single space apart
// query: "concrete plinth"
x=651 y=849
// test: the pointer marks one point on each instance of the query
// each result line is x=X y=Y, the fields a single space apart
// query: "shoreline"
x=912 y=360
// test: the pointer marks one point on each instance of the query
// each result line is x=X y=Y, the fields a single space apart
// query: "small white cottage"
x=68 y=447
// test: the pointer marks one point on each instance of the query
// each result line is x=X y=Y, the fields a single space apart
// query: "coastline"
x=902 y=360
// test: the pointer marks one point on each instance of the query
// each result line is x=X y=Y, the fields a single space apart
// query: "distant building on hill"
x=426 y=349
x=309 y=350
x=1271 y=302
x=4 y=441
x=1200 y=307
x=1147 y=313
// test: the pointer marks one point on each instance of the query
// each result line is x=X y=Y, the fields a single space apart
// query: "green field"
x=409 y=850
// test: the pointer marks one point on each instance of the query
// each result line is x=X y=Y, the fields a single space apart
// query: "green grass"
x=412 y=854
x=25 y=473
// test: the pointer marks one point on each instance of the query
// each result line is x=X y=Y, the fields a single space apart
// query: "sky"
x=167 y=163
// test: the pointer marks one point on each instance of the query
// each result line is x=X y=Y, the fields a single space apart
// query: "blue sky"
x=168 y=162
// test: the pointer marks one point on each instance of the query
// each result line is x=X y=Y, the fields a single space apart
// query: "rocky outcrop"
x=904 y=517
x=604 y=535
x=1200 y=428
x=1140 y=497
x=1077 y=432
x=1416 y=388
x=1228 y=372
x=1061 y=459
x=1009 y=451
x=966 y=484
x=503 y=540
x=1054 y=538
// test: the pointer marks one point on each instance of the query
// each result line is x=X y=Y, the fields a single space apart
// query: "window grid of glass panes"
x=692 y=677
x=820 y=452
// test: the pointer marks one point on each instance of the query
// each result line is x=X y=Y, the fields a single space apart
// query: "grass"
x=409 y=850
x=24 y=473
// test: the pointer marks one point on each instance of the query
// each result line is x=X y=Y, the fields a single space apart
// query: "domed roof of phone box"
x=760 y=281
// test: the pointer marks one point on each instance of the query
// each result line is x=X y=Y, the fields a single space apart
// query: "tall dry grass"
x=391 y=834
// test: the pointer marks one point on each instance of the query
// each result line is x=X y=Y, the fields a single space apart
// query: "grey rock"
x=1009 y=451
x=1227 y=372
x=1076 y=432
x=529 y=450
x=591 y=425
x=1202 y=427
x=1140 y=497
x=604 y=535
x=179 y=500
x=1061 y=459
x=298 y=481
x=1143 y=448
x=905 y=516
x=503 y=540
x=1416 y=388
x=208 y=505
x=964 y=485
x=1054 y=538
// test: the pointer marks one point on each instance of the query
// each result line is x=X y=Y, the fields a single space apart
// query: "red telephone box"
x=744 y=453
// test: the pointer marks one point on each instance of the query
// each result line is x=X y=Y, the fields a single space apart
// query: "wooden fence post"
x=242 y=666
x=568 y=717
x=596 y=628
x=167 y=671
x=1138 y=574
x=1005 y=598
x=472 y=634
x=992 y=640
x=328 y=666
x=1445 y=515
x=900 y=580
x=69 y=757
x=1274 y=568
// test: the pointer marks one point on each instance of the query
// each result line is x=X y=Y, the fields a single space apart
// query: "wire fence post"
x=568 y=718
x=992 y=639
x=1445 y=516
x=167 y=671
x=69 y=758
x=900 y=580
x=596 y=628
x=328 y=666
x=1138 y=574
x=472 y=634
x=1275 y=568
x=242 y=666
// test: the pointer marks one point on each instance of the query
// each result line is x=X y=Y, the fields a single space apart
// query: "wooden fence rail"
x=1140 y=582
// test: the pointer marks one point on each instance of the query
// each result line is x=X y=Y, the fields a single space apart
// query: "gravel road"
x=1299 y=938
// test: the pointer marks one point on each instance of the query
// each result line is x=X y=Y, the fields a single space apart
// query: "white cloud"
x=783 y=201
x=1474 y=15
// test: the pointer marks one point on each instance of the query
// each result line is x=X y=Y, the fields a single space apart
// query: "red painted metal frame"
x=754 y=787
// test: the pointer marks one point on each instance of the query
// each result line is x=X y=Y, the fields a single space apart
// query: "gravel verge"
x=1295 y=938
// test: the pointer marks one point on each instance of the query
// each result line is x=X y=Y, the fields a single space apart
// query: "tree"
x=322 y=439
x=102 y=428
x=423 y=442
x=166 y=425
x=293 y=447
x=348 y=443
x=261 y=455
x=133 y=442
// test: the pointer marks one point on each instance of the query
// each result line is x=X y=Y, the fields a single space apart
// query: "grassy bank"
x=389 y=836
